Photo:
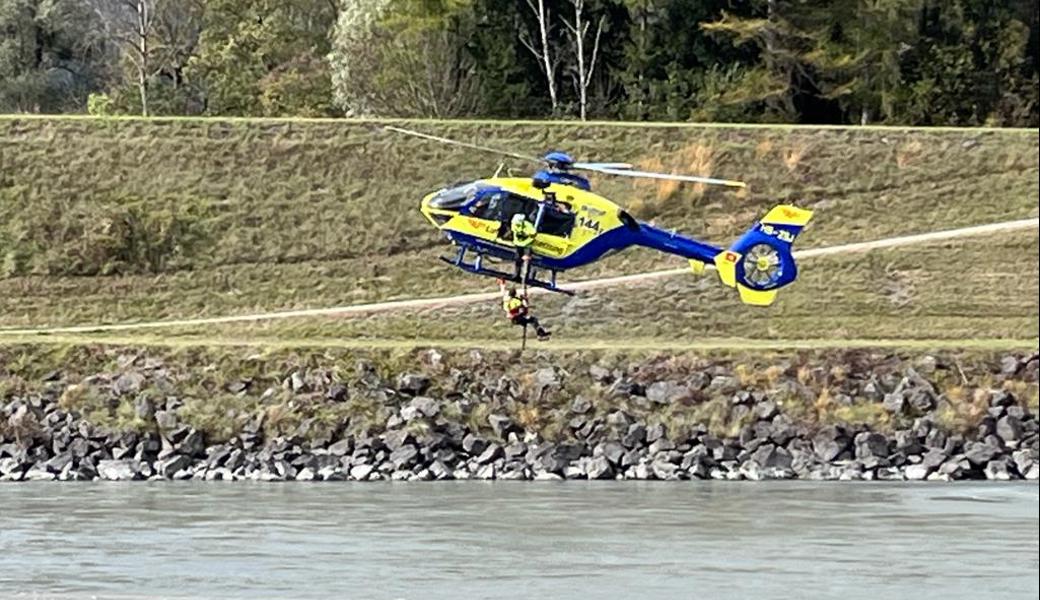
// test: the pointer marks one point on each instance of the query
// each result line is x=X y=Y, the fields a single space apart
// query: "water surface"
x=519 y=540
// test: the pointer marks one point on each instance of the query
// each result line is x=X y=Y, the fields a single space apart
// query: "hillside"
x=115 y=220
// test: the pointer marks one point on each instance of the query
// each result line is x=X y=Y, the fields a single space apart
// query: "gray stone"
x=486 y=472
x=933 y=458
x=297 y=382
x=660 y=445
x=341 y=448
x=1001 y=398
x=765 y=411
x=193 y=444
x=169 y=467
x=500 y=424
x=894 y=403
x=1024 y=459
x=413 y=383
x=404 y=457
x=612 y=451
x=871 y=444
x=723 y=383
x=574 y=472
x=979 y=453
x=599 y=374
x=427 y=407
x=144 y=409
x=664 y=470
x=361 y=472
x=1009 y=365
x=474 y=445
x=38 y=474
x=490 y=454
x=514 y=451
x=827 y=444
x=665 y=392
x=440 y=472
x=955 y=468
x=395 y=439
x=547 y=476
x=889 y=474
x=580 y=405
x=599 y=468
x=546 y=376
x=922 y=401
x=59 y=462
x=917 y=472
x=655 y=432
x=128 y=383
x=1009 y=429
x=635 y=436
x=118 y=470
x=771 y=456
x=166 y=419
x=306 y=474
x=997 y=469
x=337 y=393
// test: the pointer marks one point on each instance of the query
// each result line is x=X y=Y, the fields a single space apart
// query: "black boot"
x=543 y=334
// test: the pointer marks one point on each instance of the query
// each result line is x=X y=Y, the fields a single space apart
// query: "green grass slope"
x=124 y=219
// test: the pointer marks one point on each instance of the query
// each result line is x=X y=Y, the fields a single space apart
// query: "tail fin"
x=760 y=262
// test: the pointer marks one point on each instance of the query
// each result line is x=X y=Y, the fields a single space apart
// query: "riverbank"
x=85 y=413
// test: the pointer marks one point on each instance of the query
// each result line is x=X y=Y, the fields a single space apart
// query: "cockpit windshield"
x=453 y=198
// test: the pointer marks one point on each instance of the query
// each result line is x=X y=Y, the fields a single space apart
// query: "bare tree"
x=132 y=25
x=543 y=51
x=578 y=29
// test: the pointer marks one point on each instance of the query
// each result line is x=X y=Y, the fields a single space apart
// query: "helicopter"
x=576 y=227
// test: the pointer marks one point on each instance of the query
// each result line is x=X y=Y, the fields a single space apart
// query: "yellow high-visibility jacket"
x=513 y=306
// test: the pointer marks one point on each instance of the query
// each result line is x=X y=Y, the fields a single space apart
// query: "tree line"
x=920 y=62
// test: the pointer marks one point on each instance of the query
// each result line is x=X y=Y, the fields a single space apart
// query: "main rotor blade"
x=594 y=166
x=652 y=175
x=452 y=142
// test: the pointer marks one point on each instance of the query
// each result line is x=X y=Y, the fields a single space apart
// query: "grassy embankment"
x=116 y=220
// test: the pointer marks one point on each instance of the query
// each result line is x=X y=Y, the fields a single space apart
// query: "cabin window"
x=557 y=219
x=487 y=206
x=453 y=198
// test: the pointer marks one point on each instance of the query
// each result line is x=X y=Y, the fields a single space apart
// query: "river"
x=519 y=540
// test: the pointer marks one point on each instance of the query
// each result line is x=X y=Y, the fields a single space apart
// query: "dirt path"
x=423 y=303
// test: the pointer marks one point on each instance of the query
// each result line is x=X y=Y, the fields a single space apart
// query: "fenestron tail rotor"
x=561 y=161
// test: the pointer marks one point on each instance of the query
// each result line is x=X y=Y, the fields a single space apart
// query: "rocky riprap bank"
x=456 y=423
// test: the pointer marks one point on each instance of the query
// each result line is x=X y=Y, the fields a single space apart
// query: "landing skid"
x=477 y=267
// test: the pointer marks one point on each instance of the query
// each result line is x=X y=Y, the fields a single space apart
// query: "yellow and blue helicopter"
x=575 y=227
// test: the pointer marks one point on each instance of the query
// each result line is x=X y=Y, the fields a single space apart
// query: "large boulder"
x=1009 y=428
x=404 y=457
x=413 y=383
x=172 y=465
x=665 y=392
x=118 y=470
x=870 y=444
x=980 y=453
x=635 y=436
x=828 y=443
x=598 y=467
